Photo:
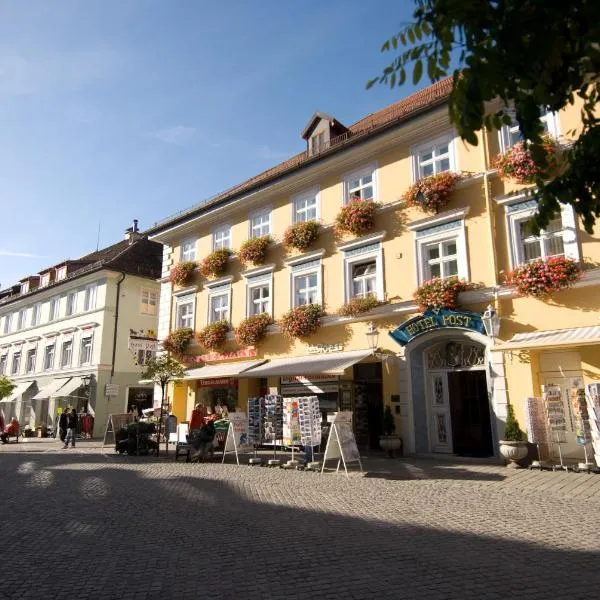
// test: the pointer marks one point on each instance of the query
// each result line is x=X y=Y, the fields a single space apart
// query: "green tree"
x=532 y=55
x=6 y=387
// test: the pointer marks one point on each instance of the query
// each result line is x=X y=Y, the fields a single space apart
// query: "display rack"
x=557 y=424
x=582 y=424
x=537 y=430
x=592 y=396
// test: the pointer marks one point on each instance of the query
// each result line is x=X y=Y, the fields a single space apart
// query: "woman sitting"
x=11 y=430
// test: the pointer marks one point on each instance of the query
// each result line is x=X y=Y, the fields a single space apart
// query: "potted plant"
x=518 y=165
x=215 y=264
x=182 y=272
x=514 y=445
x=541 y=278
x=254 y=250
x=178 y=340
x=432 y=193
x=356 y=217
x=253 y=329
x=301 y=235
x=358 y=306
x=440 y=293
x=389 y=441
x=302 y=321
x=213 y=336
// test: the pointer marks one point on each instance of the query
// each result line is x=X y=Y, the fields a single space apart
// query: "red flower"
x=541 y=278
x=517 y=162
x=215 y=264
x=301 y=235
x=432 y=193
x=356 y=217
x=440 y=293
x=358 y=306
x=213 y=336
x=254 y=250
x=302 y=321
x=178 y=341
x=182 y=272
x=253 y=329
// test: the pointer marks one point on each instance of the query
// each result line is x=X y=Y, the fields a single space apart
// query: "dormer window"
x=317 y=142
x=24 y=287
x=321 y=132
x=45 y=279
x=61 y=273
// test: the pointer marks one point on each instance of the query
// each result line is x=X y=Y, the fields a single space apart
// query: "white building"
x=64 y=333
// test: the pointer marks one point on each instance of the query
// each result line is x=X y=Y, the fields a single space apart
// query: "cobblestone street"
x=88 y=524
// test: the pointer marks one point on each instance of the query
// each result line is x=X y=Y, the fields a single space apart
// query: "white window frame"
x=21 y=319
x=303 y=270
x=150 y=294
x=44 y=279
x=570 y=240
x=416 y=151
x=187 y=250
x=352 y=259
x=71 y=304
x=360 y=174
x=53 y=361
x=265 y=212
x=54 y=308
x=220 y=235
x=36 y=314
x=218 y=291
x=180 y=302
x=27 y=357
x=24 y=287
x=550 y=119
x=61 y=273
x=62 y=362
x=7 y=323
x=84 y=337
x=3 y=363
x=89 y=298
x=265 y=280
x=315 y=193
x=18 y=355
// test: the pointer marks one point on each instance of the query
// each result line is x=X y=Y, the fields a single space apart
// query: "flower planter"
x=254 y=251
x=431 y=194
x=301 y=236
x=512 y=452
x=302 y=321
x=357 y=217
x=391 y=444
x=542 y=278
x=178 y=341
x=252 y=330
x=182 y=273
x=517 y=164
x=213 y=336
x=215 y=264
x=440 y=293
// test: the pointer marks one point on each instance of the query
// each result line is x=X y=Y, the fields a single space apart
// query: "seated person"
x=221 y=410
x=202 y=442
x=12 y=429
x=197 y=418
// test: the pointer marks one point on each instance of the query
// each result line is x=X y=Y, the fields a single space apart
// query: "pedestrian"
x=71 y=428
x=63 y=421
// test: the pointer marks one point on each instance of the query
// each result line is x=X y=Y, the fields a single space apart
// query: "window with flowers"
x=360 y=185
x=510 y=134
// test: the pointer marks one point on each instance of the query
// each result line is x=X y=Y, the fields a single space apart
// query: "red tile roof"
x=400 y=111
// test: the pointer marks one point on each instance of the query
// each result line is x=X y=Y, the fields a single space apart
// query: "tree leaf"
x=418 y=71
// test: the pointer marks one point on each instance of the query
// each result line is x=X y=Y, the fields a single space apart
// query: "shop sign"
x=111 y=389
x=325 y=348
x=223 y=382
x=316 y=384
x=437 y=319
x=142 y=343
x=221 y=356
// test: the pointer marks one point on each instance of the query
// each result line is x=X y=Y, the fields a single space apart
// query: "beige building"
x=446 y=380
x=64 y=334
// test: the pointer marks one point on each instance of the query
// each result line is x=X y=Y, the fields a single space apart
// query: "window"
x=16 y=363
x=24 y=287
x=71 y=303
x=317 y=142
x=44 y=279
x=558 y=239
x=30 y=363
x=21 y=319
x=434 y=157
x=149 y=302
x=184 y=316
x=441 y=259
x=49 y=357
x=364 y=279
x=188 y=249
x=510 y=134
x=363 y=268
x=36 y=313
x=218 y=304
x=89 y=301
x=66 y=353
x=306 y=283
x=259 y=295
x=143 y=356
x=3 y=360
x=260 y=224
x=222 y=237
x=61 y=273
x=85 y=351
x=306 y=206
x=7 y=323
x=360 y=185
x=54 y=308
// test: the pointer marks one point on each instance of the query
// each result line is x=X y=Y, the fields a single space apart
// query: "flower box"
x=518 y=165
x=254 y=250
x=213 y=336
x=440 y=293
x=302 y=321
x=182 y=273
x=357 y=217
x=301 y=236
x=431 y=194
x=215 y=264
x=542 y=278
x=358 y=306
x=253 y=329
x=178 y=341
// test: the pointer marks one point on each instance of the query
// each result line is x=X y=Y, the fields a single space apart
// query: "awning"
x=329 y=364
x=51 y=388
x=18 y=391
x=233 y=369
x=69 y=387
x=577 y=336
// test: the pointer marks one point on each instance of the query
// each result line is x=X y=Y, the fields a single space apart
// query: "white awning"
x=328 y=364
x=18 y=391
x=577 y=336
x=233 y=369
x=51 y=388
x=69 y=387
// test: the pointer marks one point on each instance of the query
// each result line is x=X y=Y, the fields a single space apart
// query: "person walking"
x=62 y=425
x=71 y=428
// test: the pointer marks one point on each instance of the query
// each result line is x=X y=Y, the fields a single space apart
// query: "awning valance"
x=577 y=336
x=50 y=389
x=18 y=391
x=329 y=364
x=234 y=369
x=66 y=390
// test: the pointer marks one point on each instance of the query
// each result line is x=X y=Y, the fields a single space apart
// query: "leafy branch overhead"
x=533 y=56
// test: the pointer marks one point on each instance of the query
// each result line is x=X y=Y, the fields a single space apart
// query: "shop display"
x=255 y=421
x=310 y=421
x=291 y=422
x=592 y=395
x=537 y=427
x=273 y=419
x=555 y=416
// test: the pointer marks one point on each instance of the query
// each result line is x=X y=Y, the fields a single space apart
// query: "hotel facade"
x=445 y=379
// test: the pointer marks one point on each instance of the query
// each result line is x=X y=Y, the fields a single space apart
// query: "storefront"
x=223 y=390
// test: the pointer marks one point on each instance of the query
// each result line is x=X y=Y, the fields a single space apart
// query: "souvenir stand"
x=537 y=431
x=256 y=408
x=291 y=427
x=273 y=425
x=310 y=427
x=555 y=415
x=592 y=396
x=582 y=425
x=341 y=443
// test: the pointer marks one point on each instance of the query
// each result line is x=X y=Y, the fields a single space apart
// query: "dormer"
x=61 y=271
x=322 y=132
x=46 y=277
x=29 y=284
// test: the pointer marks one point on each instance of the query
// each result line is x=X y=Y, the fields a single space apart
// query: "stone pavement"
x=89 y=524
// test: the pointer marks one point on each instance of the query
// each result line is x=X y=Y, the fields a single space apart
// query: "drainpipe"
x=114 y=351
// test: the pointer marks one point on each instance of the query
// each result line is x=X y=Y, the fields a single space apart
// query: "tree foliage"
x=6 y=387
x=533 y=55
x=162 y=369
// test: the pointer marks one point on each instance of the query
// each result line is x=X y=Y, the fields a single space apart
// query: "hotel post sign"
x=437 y=319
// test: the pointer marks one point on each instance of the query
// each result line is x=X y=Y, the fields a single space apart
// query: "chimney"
x=132 y=234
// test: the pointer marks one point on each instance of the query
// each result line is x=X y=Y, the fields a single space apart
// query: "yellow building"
x=446 y=381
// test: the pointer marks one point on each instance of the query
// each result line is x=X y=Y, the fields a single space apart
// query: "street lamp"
x=373 y=337
x=87 y=382
x=491 y=322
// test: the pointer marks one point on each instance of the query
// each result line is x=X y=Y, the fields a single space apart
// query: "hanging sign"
x=315 y=384
x=437 y=319
x=218 y=382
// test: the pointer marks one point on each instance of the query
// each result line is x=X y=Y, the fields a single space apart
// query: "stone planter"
x=513 y=452
x=391 y=444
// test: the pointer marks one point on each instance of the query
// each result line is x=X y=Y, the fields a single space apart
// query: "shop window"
x=306 y=206
x=188 y=249
x=49 y=358
x=260 y=223
x=184 y=311
x=360 y=185
x=222 y=237
x=434 y=157
x=558 y=239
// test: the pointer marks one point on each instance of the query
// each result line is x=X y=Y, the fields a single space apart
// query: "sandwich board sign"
x=237 y=435
x=341 y=444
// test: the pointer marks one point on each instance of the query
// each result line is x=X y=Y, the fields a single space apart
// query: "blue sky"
x=119 y=109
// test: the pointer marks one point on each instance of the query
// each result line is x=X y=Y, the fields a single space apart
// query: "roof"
x=576 y=336
x=373 y=124
x=317 y=116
